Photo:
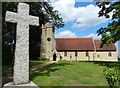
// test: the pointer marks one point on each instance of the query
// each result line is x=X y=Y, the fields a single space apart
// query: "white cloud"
x=66 y=34
x=95 y=36
x=84 y=17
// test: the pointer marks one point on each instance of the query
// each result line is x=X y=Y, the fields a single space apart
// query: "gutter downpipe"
x=94 y=48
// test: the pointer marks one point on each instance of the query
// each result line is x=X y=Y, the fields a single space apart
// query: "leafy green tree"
x=46 y=14
x=111 y=33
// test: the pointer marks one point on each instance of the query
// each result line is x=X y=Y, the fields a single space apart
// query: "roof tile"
x=80 y=44
x=74 y=44
x=98 y=42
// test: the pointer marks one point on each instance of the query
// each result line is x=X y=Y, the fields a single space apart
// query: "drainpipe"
x=94 y=48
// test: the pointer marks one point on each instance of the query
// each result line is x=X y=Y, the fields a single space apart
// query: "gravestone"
x=23 y=20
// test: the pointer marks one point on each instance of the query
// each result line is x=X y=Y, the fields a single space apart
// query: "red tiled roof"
x=74 y=44
x=97 y=44
x=80 y=44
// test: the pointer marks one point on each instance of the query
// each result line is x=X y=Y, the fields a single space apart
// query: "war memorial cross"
x=23 y=20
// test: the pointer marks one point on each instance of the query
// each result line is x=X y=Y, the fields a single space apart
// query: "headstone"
x=23 y=20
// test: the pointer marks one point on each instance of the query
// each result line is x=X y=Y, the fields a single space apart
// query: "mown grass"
x=8 y=69
x=36 y=62
x=74 y=73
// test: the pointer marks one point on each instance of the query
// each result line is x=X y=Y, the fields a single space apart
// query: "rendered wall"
x=103 y=56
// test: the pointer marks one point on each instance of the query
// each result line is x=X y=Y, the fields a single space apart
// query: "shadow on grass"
x=105 y=63
x=47 y=70
x=108 y=64
x=36 y=62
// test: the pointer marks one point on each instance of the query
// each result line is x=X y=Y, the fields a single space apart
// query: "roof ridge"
x=74 y=38
x=97 y=39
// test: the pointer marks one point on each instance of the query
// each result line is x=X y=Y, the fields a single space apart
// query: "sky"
x=81 y=19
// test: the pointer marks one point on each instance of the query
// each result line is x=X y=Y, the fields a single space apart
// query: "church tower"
x=47 y=41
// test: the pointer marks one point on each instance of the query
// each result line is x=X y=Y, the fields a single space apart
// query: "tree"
x=111 y=33
x=46 y=14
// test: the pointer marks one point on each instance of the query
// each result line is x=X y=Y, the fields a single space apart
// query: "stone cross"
x=23 y=20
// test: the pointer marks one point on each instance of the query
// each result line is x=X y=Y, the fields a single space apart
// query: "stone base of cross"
x=28 y=85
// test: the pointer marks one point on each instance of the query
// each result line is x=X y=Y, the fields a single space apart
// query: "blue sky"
x=81 y=19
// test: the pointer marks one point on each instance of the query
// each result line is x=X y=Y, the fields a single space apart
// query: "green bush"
x=112 y=76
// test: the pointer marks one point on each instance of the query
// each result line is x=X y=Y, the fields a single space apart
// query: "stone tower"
x=47 y=39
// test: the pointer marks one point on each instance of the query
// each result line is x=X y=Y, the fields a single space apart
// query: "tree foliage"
x=111 y=33
x=112 y=76
x=46 y=14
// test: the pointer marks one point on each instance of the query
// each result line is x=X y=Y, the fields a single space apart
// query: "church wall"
x=81 y=55
x=103 y=56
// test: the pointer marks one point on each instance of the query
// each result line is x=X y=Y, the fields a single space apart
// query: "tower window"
x=87 y=53
x=49 y=39
x=65 y=54
x=76 y=54
x=45 y=31
x=109 y=54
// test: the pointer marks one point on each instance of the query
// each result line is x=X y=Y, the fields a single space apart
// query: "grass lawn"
x=76 y=73
x=9 y=68
x=37 y=62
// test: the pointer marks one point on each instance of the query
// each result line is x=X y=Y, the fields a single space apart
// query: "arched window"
x=87 y=53
x=98 y=55
x=65 y=54
x=109 y=54
x=76 y=54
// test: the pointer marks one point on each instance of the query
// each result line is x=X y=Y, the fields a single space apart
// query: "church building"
x=74 y=49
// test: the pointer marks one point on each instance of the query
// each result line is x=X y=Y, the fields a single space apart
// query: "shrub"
x=112 y=76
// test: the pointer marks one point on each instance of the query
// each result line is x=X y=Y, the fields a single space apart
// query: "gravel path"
x=37 y=67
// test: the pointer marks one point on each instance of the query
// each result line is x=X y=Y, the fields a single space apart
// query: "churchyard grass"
x=9 y=68
x=75 y=73
x=6 y=69
x=37 y=62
